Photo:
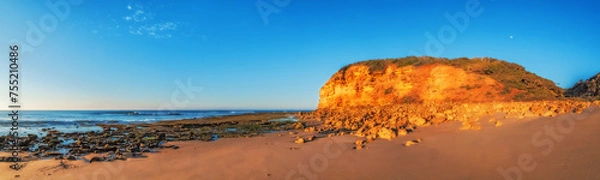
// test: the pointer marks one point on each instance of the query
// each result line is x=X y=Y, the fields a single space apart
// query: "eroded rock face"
x=357 y=86
x=586 y=89
x=396 y=99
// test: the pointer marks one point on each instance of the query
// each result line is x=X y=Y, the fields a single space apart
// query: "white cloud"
x=167 y=26
x=142 y=22
x=158 y=30
x=139 y=16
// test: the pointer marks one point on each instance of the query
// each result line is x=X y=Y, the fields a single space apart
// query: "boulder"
x=299 y=141
x=385 y=133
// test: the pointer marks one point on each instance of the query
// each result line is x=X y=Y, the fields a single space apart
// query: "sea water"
x=32 y=122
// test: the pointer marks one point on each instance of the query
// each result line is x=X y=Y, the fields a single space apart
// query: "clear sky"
x=130 y=54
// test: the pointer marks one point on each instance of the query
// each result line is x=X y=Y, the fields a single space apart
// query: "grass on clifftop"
x=513 y=76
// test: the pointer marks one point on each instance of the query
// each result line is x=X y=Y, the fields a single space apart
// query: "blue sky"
x=130 y=54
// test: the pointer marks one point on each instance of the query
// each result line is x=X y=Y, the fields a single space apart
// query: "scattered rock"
x=359 y=142
x=71 y=158
x=359 y=147
x=470 y=125
x=311 y=138
x=98 y=159
x=299 y=141
x=371 y=138
x=17 y=166
x=498 y=124
x=299 y=125
x=402 y=132
x=386 y=133
x=310 y=129
x=413 y=142
x=416 y=120
x=549 y=114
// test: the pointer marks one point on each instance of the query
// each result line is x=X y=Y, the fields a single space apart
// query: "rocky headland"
x=392 y=97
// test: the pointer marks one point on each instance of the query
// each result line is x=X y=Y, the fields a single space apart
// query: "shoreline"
x=275 y=155
x=446 y=152
x=124 y=141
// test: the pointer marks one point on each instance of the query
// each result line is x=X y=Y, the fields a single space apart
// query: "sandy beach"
x=300 y=90
x=562 y=147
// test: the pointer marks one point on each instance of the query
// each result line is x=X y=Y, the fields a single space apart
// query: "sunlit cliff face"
x=357 y=86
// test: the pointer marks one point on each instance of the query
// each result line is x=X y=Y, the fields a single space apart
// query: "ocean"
x=32 y=122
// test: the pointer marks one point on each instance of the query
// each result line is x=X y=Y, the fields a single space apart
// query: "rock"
x=52 y=154
x=418 y=121
x=17 y=166
x=498 y=124
x=98 y=159
x=385 y=133
x=299 y=141
x=549 y=114
x=311 y=138
x=359 y=142
x=586 y=89
x=137 y=155
x=371 y=138
x=402 y=132
x=358 y=147
x=409 y=143
x=413 y=142
x=470 y=125
x=299 y=125
x=310 y=129
x=578 y=110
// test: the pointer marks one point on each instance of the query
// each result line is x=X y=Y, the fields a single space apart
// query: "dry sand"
x=563 y=147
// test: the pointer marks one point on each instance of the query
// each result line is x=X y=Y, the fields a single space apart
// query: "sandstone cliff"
x=392 y=97
x=426 y=79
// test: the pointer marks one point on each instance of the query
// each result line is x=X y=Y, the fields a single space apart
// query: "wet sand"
x=562 y=147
